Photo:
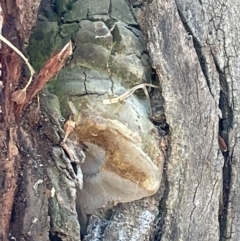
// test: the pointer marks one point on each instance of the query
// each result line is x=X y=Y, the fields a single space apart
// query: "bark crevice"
x=197 y=47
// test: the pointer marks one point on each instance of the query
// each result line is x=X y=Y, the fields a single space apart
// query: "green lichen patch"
x=64 y=5
x=78 y=12
x=126 y=41
x=93 y=32
x=121 y=12
x=68 y=29
x=70 y=82
x=98 y=7
x=129 y=69
x=91 y=56
x=43 y=42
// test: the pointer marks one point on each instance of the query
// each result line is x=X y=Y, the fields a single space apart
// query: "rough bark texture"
x=12 y=22
x=191 y=50
x=194 y=48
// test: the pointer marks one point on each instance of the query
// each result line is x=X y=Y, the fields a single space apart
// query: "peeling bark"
x=9 y=156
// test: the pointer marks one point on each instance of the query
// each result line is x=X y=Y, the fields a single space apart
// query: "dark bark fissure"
x=164 y=189
x=225 y=123
x=54 y=237
x=224 y=126
x=159 y=120
x=197 y=47
x=223 y=212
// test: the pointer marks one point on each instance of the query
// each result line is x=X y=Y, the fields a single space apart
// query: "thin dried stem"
x=130 y=92
x=22 y=56
x=19 y=96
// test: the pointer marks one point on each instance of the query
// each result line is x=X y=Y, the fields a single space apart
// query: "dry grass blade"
x=108 y=34
x=129 y=92
x=18 y=52
x=19 y=96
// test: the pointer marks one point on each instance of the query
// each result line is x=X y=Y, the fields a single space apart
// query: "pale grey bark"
x=194 y=46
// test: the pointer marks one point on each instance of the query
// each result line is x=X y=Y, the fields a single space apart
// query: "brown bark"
x=10 y=160
x=13 y=22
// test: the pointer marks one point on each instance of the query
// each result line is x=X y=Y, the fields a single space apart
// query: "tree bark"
x=15 y=27
x=194 y=48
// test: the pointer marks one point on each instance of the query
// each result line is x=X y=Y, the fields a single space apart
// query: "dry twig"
x=130 y=92
x=49 y=70
x=20 y=95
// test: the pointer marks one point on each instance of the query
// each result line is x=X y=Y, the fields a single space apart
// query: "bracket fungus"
x=123 y=159
x=121 y=170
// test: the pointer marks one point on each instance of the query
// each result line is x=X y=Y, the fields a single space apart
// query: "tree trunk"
x=17 y=20
x=194 y=49
x=124 y=172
